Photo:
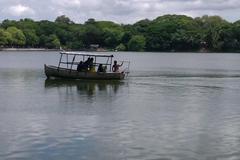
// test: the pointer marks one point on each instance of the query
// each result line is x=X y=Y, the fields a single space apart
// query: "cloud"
x=19 y=10
x=121 y=11
x=67 y=3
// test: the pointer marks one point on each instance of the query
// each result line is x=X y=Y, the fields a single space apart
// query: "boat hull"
x=55 y=72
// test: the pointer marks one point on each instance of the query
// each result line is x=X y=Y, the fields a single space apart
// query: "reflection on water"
x=87 y=87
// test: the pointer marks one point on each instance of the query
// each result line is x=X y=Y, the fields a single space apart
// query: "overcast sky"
x=121 y=11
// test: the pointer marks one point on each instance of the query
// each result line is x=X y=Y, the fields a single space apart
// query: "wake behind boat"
x=78 y=65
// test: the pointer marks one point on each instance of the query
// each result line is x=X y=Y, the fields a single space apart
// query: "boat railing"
x=76 y=63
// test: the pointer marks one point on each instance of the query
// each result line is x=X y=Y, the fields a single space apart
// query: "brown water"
x=173 y=106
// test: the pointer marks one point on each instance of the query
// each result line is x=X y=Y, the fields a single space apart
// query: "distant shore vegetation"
x=166 y=33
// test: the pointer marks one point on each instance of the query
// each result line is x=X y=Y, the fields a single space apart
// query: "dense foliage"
x=165 y=33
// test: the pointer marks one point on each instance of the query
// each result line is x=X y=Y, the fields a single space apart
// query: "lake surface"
x=173 y=106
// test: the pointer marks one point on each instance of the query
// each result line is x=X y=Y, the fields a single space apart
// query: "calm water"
x=172 y=107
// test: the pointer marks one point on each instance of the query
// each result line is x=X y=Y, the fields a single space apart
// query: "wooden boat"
x=68 y=69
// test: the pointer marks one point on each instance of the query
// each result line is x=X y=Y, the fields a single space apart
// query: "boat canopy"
x=87 y=54
x=70 y=59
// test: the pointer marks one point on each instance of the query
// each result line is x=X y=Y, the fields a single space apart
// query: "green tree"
x=31 y=38
x=3 y=37
x=46 y=28
x=64 y=35
x=112 y=37
x=8 y=23
x=172 y=32
x=90 y=21
x=137 y=43
x=213 y=28
x=121 y=47
x=92 y=35
x=74 y=37
x=141 y=27
x=27 y=24
x=52 y=42
x=9 y=38
x=63 y=19
x=75 y=45
x=18 y=38
x=229 y=39
x=126 y=37
x=165 y=33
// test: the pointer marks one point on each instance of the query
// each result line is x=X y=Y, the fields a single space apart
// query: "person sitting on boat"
x=91 y=62
x=80 y=67
x=87 y=61
x=91 y=65
x=100 y=68
x=86 y=64
x=115 y=67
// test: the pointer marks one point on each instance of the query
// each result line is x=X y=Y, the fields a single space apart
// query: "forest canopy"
x=165 y=33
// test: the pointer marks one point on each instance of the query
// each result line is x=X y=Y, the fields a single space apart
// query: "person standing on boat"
x=115 y=67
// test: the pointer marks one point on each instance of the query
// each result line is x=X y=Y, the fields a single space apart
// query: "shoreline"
x=46 y=50
x=27 y=49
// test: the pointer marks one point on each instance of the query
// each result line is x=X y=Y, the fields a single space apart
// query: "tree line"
x=165 y=33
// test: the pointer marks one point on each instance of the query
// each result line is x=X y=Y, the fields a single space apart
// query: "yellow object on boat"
x=92 y=69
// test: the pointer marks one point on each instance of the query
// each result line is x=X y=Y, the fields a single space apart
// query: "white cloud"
x=19 y=10
x=67 y=3
x=121 y=11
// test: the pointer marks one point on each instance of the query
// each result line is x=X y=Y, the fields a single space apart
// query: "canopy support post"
x=60 y=61
x=72 y=62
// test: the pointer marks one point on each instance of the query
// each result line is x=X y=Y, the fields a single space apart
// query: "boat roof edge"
x=87 y=54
